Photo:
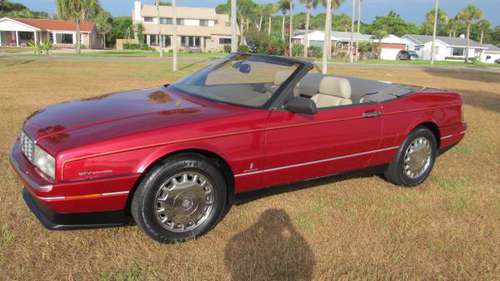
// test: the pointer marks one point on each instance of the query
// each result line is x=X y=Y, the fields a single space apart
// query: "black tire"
x=395 y=173
x=143 y=202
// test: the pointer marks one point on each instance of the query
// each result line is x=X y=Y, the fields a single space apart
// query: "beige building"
x=198 y=29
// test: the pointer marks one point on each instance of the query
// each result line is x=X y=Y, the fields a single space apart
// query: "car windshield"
x=242 y=79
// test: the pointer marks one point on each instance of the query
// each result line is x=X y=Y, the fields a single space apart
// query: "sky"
x=411 y=10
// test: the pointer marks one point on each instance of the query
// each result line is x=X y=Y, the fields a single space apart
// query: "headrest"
x=281 y=77
x=334 y=86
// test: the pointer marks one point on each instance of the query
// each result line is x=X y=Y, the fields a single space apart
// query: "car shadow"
x=247 y=197
x=271 y=249
x=482 y=99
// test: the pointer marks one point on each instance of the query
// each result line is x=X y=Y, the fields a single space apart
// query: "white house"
x=491 y=54
x=18 y=32
x=446 y=48
x=317 y=37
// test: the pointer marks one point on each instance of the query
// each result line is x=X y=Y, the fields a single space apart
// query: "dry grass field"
x=346 y=228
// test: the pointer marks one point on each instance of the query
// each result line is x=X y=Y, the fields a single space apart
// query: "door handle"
x=371 y=114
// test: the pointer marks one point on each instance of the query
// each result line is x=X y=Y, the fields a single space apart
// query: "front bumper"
x=71 y=205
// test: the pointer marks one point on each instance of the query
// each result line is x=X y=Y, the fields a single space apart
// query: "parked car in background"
x=174 y=157
x=407 y=55
x=497 y=61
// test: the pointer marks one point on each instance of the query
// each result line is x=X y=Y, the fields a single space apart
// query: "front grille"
x=27 y=146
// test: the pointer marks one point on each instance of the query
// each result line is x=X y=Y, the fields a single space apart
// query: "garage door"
x=389 y=53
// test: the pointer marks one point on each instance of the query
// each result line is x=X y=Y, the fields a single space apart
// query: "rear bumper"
x=57 y=221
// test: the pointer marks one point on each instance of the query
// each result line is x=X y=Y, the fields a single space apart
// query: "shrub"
x=315 y=51
x=131 y=46
x=243 y=49
x=227 y=49
x=42 y=48
x=298 y=50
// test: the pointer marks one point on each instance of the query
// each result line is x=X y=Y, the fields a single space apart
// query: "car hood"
x=120 y=114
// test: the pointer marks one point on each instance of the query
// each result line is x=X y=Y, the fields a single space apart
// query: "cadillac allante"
x=173 y=158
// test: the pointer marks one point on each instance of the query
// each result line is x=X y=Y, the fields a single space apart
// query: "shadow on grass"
x=271 y=249
x=481 y=76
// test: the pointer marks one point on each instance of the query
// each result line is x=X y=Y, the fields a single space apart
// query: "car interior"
x=331 y=90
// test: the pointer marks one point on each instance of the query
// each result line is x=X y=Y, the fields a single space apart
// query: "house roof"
x=451 y=41
x=492 y=48
x=393 y=39
x=49 y=24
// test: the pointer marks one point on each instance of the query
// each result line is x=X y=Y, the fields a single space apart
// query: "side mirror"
x=245 y=68
x=301 y=105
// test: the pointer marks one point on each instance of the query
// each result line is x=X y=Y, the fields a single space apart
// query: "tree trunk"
x=482 y=37
x=290 y=45
x=468 y=43
x=283 y=29
x=174 y=37
x=270 y=25
x=328 y=37
x=260 y=24
x=306 y=35
x=78 y=37
x=234 y=27
x=242 y=30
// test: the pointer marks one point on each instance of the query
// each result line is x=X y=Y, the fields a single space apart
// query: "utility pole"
x=359 y=27
x=290 y=44
x=174 y=37
x=234 y=27
x=351 y=55
x=159 y=39
x=436 y=8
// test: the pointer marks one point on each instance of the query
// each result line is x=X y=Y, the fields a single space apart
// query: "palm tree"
x=452 y=26
x=484 y=25
x=269 y=10
x=469 y=15
x=309 y=4
x=234 y=26
x=331 y=5
x=77 y=10
x=284 y=6
x=160 y=39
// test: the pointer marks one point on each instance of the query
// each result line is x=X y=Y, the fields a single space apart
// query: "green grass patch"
x=451 y=184
x=133 y=273
x=6 y=236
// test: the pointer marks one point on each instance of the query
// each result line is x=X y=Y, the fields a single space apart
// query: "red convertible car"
x=174 y=157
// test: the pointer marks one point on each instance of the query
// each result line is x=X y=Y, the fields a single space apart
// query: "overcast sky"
x=412 y=10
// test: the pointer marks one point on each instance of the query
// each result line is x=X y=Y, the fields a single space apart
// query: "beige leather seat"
x=333 y=91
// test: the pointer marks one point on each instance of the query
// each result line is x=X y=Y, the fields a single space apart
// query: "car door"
x=334 y=140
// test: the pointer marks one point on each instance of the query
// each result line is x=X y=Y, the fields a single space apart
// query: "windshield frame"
x=299 y=71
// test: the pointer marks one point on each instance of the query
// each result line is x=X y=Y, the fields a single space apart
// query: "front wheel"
x=415 y=159
x=180 y=199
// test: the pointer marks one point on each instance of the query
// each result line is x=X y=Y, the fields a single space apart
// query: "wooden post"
x=17 y=38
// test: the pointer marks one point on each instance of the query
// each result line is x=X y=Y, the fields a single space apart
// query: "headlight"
x=44 y=162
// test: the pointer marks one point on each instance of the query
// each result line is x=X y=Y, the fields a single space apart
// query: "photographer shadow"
x=271 y=249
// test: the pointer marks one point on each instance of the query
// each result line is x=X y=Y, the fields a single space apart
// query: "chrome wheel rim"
x=184 y=201
x=417 y=158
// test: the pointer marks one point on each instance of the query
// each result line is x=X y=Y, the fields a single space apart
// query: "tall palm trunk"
x=290 y=45
x=306 y=35
x=242 y=30
x=468 y=43
x=283 y=28
x=260 y=23
x=327 y=46
x=270 y=25
x=174 y=37
x=482 y=37
x=78 y=37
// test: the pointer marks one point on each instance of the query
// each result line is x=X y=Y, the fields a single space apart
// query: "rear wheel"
x=180 y=199
x=415 y=159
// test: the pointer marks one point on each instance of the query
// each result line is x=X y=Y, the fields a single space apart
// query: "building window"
x=64 y=38
x=191 y=41
x=166 y=21
x=458 y=52
x=180 y=21
x=51 y=37
x=204 y=22
x=148 y=19
x=224 y=41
